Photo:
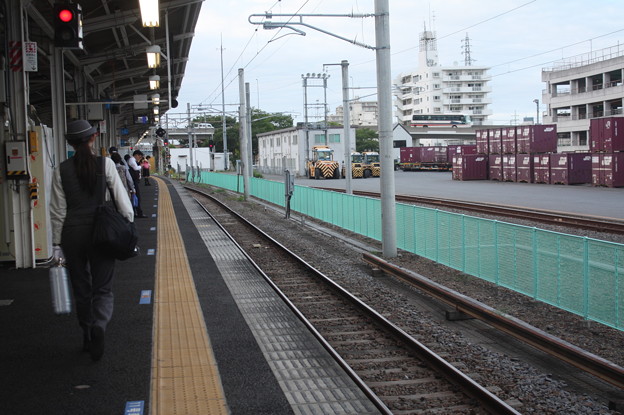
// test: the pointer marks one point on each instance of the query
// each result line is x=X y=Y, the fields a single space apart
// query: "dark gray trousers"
x=91 y=274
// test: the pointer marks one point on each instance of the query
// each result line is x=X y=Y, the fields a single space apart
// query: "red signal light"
x=66 y=15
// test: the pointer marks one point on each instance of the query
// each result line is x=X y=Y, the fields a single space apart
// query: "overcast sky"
x=516 y=38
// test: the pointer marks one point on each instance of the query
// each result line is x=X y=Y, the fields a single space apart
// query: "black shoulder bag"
x=111 y=231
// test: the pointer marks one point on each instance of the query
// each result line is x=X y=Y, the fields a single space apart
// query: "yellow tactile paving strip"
x=185 y=379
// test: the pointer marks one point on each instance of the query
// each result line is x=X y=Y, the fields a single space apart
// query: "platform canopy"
x=112 y=66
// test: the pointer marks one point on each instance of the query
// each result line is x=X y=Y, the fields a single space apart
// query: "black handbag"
x=112 y=232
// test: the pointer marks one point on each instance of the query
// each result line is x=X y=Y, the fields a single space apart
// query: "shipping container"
x=470 y=167
x=570 y=168
x=482 y=142
x=536 y=138
x=608 y=169
x=410 y=154
x=495 y=138
x=509 y=168
x=434 y=154
x=606 y=134
x=495 y=169
x=541 y=168
x=509 y=140
x=524 y=168
x=461 y=150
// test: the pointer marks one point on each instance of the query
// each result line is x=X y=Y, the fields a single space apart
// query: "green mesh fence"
x=581 y=275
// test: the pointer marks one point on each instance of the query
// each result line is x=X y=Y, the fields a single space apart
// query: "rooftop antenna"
x=466 y=52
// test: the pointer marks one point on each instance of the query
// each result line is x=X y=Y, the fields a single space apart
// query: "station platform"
x=195 y=330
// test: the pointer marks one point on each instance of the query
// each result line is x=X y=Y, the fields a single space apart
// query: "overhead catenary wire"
x=255 y=56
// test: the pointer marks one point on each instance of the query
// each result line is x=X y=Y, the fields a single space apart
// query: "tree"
x=366 y=139
x=261 y=122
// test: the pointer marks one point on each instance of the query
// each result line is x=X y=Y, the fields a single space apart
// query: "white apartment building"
x=580 y=88
x=286 y=148
x=363 y=114
x=435 y=89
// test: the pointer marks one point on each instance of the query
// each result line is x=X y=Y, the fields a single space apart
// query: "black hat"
x=80 y=130
x=112 y=150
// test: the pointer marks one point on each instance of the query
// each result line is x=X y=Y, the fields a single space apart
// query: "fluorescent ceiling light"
x=150 y=14
x=154 y=82
x=153 y=56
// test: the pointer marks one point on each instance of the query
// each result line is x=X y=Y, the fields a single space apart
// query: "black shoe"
x=140 y=216
x=97 y=343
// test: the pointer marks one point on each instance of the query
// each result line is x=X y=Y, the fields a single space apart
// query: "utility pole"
x=189 y=128
x=346 y=120
x=223 y=122
x=242 y=116
x=305 y=118
x=384 y=93
x=249 y=160
x=384 y=83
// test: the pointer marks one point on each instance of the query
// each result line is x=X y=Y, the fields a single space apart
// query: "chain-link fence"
x=582 y=275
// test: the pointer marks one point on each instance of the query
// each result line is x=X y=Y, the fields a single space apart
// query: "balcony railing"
x=583 y=89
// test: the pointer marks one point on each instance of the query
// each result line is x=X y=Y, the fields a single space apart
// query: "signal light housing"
x=68 y=26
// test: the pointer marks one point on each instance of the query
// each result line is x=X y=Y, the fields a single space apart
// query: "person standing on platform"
x=135 y=172
x=145 y=166
x=76 y=188
x=124 y=174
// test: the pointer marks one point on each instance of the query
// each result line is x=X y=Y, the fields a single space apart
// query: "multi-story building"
x=290 y=148
x=435 y=89
x=580 y=88
x=363 y=113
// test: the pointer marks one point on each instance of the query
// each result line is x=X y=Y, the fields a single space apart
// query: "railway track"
x=398 y=373
x=555 y=218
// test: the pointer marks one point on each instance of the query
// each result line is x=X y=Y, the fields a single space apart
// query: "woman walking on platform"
x=75 y=197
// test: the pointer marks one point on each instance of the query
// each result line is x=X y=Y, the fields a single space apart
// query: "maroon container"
x=509 y=168
x=496 y=140
x=608 y=169
x=434 y=154
x=410 y=154
x=461 y=150
x=495 y=170
x=482 y=142
x=570 y=168
x=470 y=167
x=536 y=138
x=524 y=168
x=596 y=132
x=509 y=140
x=606 y=134
x=541 y=168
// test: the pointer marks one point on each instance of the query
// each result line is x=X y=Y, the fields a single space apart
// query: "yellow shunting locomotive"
x=322 y=164
x=357 y=171
x=371 y=164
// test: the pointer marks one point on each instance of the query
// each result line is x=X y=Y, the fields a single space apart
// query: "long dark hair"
x=86 y=165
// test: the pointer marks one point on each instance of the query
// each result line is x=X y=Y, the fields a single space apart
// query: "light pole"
x=537 y=110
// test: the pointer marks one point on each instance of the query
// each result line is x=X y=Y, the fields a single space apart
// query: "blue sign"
x=146 y=297
x=124 y=131
x=134 y=408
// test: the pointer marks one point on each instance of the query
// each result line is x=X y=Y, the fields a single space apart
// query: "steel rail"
x=597 y=366
x=490 y=402
x=599 y=224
